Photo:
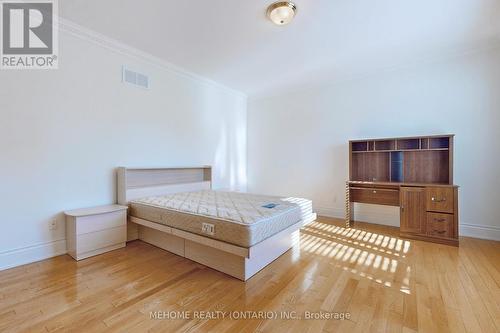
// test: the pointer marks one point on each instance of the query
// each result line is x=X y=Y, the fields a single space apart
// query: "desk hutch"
x=413 y=173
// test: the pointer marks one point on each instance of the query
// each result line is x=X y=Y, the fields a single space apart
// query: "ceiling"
x=232 y=42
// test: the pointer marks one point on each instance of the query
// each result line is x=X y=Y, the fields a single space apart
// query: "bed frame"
x=237 y=261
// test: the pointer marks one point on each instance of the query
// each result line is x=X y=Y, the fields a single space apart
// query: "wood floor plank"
x=381 y=282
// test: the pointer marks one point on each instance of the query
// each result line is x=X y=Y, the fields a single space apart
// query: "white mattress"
x=238 y=218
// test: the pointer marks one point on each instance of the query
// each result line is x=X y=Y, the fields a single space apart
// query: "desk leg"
x=349 y=206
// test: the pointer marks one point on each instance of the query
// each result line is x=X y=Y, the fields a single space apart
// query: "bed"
x=235 y=233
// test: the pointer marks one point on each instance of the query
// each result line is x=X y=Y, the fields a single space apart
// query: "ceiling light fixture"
x=281 y=12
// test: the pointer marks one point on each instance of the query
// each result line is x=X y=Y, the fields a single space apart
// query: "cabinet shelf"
x=402 y=150
x=426 y=159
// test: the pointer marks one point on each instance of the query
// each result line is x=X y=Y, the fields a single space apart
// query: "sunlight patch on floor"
x=382 y=243
x=367 y=250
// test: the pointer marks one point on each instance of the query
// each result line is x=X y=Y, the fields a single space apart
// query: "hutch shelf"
x=413 y=173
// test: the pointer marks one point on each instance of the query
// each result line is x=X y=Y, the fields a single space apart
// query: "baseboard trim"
x=329 y=211
x=29 y=254
x=361 y=214
x=33 y=253
x=465 y=229
x=479 y=231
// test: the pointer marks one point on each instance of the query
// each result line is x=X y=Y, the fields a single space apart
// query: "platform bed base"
x=240 y=262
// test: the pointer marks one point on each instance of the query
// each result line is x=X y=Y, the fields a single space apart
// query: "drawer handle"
x=440 y=220
x=374 y=192
x=438 y=200
x=439 y=231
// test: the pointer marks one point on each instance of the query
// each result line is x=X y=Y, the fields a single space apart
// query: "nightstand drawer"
x=93 y=223
x=440 y=225
x=440 y=199
x=100 y=239
x=379 y=196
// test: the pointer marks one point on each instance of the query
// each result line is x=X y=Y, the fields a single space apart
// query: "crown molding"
x=452 y=53
x=71 y=28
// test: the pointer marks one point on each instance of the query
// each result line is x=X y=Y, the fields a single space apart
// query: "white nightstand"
x=92 y=231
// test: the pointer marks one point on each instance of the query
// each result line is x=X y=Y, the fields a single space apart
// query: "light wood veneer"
x=92 y=231
x=237 y=261
x=386 y=283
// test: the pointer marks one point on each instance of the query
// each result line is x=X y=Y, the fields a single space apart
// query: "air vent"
x=135 y=78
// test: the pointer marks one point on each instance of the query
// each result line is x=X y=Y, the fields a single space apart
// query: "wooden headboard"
x=134 y=183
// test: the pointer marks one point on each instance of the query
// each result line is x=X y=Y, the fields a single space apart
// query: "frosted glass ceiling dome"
x=282 y=12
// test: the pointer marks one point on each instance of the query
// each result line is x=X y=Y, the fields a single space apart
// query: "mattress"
x=238 y=218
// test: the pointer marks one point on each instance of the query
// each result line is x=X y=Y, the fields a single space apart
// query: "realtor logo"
x=29 y=34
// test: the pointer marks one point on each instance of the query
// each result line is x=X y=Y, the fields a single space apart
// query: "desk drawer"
x=378 y=196
x=440 y=199
x=440 y=225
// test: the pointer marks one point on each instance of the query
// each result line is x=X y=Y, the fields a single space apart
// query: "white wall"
x=297 y=141
x=63 y=132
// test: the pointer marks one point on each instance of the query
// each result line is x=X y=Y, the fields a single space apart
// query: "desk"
x=427 y=211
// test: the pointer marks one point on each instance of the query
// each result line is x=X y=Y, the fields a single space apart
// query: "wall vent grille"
x=135 y=78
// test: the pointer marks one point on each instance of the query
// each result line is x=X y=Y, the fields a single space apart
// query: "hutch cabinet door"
x=413 y=210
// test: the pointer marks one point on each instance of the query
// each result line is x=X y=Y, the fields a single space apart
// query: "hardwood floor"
x=382 y=282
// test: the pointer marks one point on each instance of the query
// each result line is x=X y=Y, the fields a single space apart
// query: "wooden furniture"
x=92 y=231
x=413 y=173
x=237 y=261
